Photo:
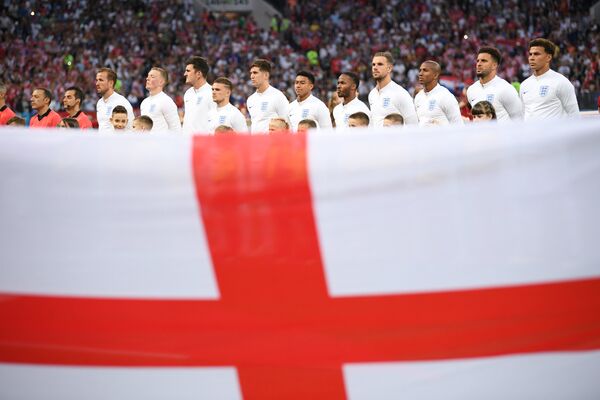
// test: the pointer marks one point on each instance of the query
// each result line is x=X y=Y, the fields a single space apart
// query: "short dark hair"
x=361 y=116
x=111 y=75
x=71 y=122
x=492 y=51
x=388 y=56
x=224 y=81
x=47 y=93
x=16 y=120
x=262 y=64
x=395 y=117
x=78 y=93
x=352 y=76
x=119 y=110
x=308 y=75
x=145 y=120
x=199 y=64
x=310 y=122
x=549 y=47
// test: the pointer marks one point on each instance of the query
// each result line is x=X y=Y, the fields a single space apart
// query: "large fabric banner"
x=456 y=262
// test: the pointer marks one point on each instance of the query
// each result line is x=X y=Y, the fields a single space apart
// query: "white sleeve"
x=511 y=102
x=323 y=117
x=566 y=95
x=238 y=122
x=282 y=107
x=406 y=107
x=452 y=109
x=130 y=114
x=171 y=116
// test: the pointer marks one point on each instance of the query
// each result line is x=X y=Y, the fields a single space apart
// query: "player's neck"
x=429 y=86
x=383 y=82
x=108 y=93
x=487 y=79
x=223 y=103
x=542 y=71
x=306 y=96
x=156 y=91
x=262 y=87
x=349 y=98
x=43 y=110
x=73 y=111
x=199 y=84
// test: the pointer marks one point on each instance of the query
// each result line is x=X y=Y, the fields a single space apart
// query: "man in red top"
x=72 y=102
x=5 y=112
x=45 y=117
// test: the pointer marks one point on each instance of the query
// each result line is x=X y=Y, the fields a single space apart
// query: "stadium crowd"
x=60 y=44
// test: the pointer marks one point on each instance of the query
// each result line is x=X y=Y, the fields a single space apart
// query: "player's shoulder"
x=278 y=93
x=529 y=80
x=473 y=87
x=189 y=92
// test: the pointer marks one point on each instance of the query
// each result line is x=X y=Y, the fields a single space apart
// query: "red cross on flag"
x=449 y=263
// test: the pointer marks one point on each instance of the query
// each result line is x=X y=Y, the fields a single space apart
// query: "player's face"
x=345 y=85
x=38 y=99
x=69 y=100
x=102 y=83
x=119 y=121
x=154 y=80
x=303 y=87
x=191 y=75
x=538 y=58
x=220 y=92
x=380 y=68
x=258 y=77
x=426 y=74
x=485 y=65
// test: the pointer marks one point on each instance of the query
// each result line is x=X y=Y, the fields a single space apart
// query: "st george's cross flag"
x=455 y=262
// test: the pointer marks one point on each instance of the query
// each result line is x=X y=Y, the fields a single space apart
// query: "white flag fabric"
x=455 y=262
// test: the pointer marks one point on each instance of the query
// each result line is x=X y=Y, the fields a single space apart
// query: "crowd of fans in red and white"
x=60 y=44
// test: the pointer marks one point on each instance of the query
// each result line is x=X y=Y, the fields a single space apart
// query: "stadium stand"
x=60 y=44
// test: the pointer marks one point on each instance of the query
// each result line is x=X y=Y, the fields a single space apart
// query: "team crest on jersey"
x=386 y=102
x=263 y=106
x=152 y=108
x=221 y=119
x=544 y=90
x=490 y=98
x=431 y=105
x=198 y=100
x=305 y=113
